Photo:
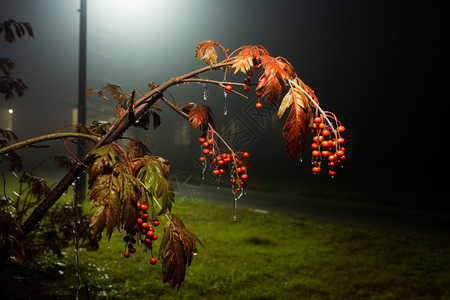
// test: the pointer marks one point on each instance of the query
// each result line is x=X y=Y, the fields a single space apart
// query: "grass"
x=260 y=256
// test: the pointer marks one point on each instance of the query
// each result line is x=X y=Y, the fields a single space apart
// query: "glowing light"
x=10 y=110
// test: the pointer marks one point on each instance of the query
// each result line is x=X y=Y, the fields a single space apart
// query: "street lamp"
x=81 y=89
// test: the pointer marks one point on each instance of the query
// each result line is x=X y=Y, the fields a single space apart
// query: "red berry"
x=244 y=176
x=139 y=221
x=245 y=154
x=332 y=173
x=205 y=144
x=144 y=225
x=205 y=151
x=317 y=120
x=325 y=132
x=210 y=141
x=247 y=80
x=148 y=241
x=243 y=169
x=216 y=172
x=258 y=105
x=144 y=206
x=150 y=233
x=201 y=140
x=156 y=222
x=138 y=204
x=126 y=254
x=153 y=260
x=249 y=73
x=202 y=158
x=132 y=250
x=340 y=140
x=316 y=153
x=155 y=236
x=322 y=125
x=341 y=128
x=316 y=169
x=228 y=88
x=246 y=88
x=259 y=94
x=145 y=215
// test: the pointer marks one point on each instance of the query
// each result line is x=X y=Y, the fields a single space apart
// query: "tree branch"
x=119 y=127
x=52 y=136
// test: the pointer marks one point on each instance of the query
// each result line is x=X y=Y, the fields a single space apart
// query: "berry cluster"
x=327 y=145
x=144 y=231
x=221 y=162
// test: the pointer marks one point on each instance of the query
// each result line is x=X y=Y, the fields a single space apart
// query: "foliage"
x=11 y=29
x=128 y=186
x=55 y=232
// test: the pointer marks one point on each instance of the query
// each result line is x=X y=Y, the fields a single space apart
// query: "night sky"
x=380 y=66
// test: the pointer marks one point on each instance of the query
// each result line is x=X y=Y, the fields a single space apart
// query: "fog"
x=378 y=65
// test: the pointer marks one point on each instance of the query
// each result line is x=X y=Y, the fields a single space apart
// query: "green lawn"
x=260 y=256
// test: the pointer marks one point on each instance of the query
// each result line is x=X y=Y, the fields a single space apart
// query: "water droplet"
x=225 y=109
x=300 y=159
x=203 y=169
x=234 y=210
x=205 y=93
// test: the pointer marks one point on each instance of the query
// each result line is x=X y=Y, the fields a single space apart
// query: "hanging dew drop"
x=225 y=109
x=205 y=93
x=234 y=210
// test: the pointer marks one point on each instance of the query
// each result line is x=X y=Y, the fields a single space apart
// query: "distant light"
x=10 y=110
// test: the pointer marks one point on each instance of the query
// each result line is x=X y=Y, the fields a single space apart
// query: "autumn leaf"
x=97 y=223
x=277 y=72
x=296 y=94
x=176 y=251
x=199 y=115
x=248 y=57
x=105 y=158
x=104 y=193
x=297 y=126
x=128 y=187
x=205 y=51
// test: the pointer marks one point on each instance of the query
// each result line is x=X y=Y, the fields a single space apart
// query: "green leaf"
x=153 y=173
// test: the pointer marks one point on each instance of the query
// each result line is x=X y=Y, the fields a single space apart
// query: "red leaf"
x=205 y=51
x=297 y=128
x=199 y=115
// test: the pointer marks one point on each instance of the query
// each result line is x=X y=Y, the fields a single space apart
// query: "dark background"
x=380 y=66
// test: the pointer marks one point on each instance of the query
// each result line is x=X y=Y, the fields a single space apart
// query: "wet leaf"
x=176 y=251
x=205 y=51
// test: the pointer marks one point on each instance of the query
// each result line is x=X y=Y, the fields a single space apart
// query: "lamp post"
x=82 y=88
